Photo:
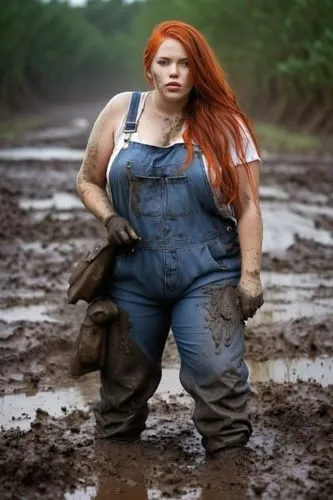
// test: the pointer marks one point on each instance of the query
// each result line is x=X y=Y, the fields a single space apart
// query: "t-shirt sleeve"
x=251 y=153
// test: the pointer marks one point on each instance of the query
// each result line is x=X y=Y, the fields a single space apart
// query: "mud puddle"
x=169 y=461
x=75 y=128
x=110 y=491
x=40 y=154
x=289 y=296
x=17 y=410
x=285 y=220
x=59 y=201
x=52 y=454
x=79 y=395
x=32 y=313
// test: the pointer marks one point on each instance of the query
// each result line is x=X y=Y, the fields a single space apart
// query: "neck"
x=165 y=107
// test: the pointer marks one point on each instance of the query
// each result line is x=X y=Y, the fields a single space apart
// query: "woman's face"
x=169 y=70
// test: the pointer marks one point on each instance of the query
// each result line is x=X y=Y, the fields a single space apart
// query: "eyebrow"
x=168 y=58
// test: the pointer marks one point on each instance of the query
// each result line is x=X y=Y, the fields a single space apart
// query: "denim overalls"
x=175 y=277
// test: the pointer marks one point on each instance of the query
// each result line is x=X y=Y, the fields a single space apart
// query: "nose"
x=174 y=72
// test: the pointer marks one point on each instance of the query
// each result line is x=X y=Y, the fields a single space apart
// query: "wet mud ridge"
x=47 y=449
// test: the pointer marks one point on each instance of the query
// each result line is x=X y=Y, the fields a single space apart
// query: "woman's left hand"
x=250 y=294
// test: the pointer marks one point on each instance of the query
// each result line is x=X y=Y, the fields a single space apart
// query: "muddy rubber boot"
x=128 y=380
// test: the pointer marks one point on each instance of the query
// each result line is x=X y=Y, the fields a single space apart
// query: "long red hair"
x=212 y=115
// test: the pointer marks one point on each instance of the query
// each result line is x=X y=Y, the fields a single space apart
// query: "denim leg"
x=132 y=371
x=210 y=338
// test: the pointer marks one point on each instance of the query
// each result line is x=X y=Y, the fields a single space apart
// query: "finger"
x=255 y=308
x=125 y=238
x=112 y=239
x=242 y=306
x=115 y=239
x=132 y=234
x=246 y=312
x=251 y=309
x=259 y=302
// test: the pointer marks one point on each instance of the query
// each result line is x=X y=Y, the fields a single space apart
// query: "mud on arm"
x=250 y=231
x=91 y=179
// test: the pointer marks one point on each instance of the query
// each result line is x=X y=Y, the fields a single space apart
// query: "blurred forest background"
x=277 y=53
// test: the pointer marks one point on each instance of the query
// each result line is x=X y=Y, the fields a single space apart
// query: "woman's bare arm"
x=250 y=232
x=250 y=229
x=91 y=179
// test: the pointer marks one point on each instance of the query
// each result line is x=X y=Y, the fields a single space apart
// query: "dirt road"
x=47 y=449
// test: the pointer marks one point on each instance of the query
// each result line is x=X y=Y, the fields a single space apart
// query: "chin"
x=176 y=96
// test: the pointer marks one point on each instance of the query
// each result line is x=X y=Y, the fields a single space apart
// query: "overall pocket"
x=177 y=196
x=145 y=195
x=225 y=254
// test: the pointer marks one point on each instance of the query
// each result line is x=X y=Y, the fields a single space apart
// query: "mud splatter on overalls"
x=175 y=277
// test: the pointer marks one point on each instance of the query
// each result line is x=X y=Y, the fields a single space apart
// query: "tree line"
x=276 y=53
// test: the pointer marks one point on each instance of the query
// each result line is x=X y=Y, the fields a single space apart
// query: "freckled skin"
x=88 y=180
x=170 y=126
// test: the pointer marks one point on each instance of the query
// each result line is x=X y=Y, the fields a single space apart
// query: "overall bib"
x=175 y=277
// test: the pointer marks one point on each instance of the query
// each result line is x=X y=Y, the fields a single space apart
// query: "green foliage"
x=276 y=53
x=51 y=44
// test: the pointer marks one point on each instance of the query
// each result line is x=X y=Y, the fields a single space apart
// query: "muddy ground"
x=47 y=450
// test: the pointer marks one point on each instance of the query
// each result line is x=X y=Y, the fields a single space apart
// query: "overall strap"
x=131 y=119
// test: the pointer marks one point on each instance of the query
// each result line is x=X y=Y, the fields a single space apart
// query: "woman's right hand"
x=120 y=232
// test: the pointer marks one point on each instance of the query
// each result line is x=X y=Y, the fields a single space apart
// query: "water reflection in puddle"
x=83 y=393
x=273 y=192
x=133 y=492
x=290 y=296
x=281 y=312
x=62 y=248
x=291 y=370
x=58 y=201
x=20 y=294
x=75 y=128
x=30 y=313
x=41 y=154
x=291 y=280
x=83 y=494
x=17 y=410
x=283 y=220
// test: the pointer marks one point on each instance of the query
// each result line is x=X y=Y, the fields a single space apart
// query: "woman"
x=173 y=175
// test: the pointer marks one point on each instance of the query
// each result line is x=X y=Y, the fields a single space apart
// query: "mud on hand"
x=250 y=297
x=120 y=231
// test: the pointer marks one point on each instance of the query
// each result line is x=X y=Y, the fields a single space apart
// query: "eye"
x=184 y=64
x=162 y=62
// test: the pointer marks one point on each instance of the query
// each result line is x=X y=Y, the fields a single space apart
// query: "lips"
x=173 y=84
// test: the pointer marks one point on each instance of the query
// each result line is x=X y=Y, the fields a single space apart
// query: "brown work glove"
x=250 y=294
x=120 y=231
